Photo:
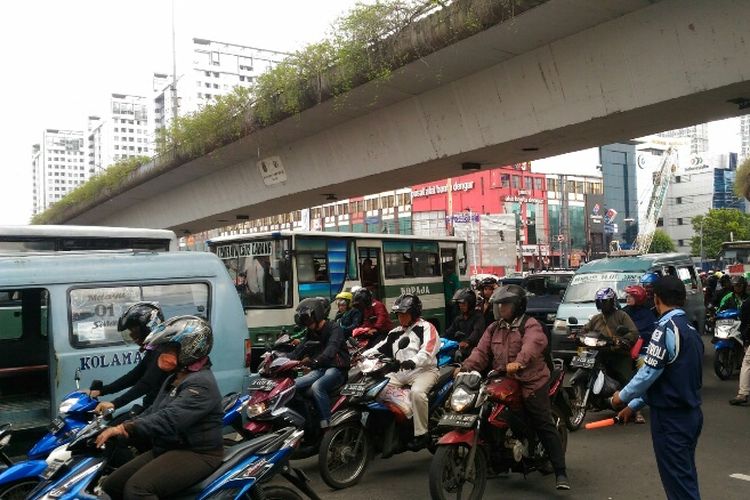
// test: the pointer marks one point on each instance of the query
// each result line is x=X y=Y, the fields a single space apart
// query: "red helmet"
x=638 y=293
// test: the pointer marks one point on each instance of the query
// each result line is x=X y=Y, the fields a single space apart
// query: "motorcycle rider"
x=743 y=392
x=645 y=321
x=184 y=422
x=617 y=361
x=722 y=290
x=486 y=288
x=417 y=361
x=505 y=348
x=737 y=296
x=145 y=379
x=647 y=282
x=347 y=317
x=375 y=316
x=469 y=322
x=328 y=361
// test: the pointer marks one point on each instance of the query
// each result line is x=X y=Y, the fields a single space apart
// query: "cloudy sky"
x=63 y=59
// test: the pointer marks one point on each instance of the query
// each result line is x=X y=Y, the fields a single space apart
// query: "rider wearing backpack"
x=515 y=343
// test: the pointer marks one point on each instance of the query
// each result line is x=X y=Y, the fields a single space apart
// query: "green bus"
x=273 y=271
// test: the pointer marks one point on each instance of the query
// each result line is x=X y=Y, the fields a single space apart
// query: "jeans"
x=321 y=382
x=538 y=408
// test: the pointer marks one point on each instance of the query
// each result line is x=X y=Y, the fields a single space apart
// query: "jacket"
x=187 y=416
x=472 y=327
x=145 y=379
x=424 y=344
x=502 y=343
x=607 y=326
x=644 y=320
x=732 y=301
x=349 y=320
x=382 y=320
x=330 y=353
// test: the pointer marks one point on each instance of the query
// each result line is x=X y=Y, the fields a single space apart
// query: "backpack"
x=547 y=350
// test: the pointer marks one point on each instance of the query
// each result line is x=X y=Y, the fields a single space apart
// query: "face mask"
x=167 y=362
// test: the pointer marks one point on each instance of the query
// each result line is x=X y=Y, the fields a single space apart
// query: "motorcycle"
x=591 y=387
x=76 y=470
x=74 y=413
x=367 y=423
x=486 y=429
x=728 y=345
x=709 y=321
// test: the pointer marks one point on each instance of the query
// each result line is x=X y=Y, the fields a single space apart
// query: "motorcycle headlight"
x=256 y=409
x=560 y=326
x=601 y=343
x=66 y=405
x=461 y=399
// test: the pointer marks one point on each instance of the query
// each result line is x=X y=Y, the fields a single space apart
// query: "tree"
x=661 y=243
x=742 y=181
x=718 y=226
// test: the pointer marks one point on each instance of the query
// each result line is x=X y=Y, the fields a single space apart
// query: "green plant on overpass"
x=718 y=226
x=102 y=182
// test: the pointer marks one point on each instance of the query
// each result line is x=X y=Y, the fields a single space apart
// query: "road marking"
x=744 y=477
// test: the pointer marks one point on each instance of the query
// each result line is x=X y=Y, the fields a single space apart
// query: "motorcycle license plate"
x=458 y=420
x=582 y=362
x=56 y=425
x=355 y=389
x=262 y=384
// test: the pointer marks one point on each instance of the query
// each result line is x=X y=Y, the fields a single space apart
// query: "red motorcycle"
x=486 y=428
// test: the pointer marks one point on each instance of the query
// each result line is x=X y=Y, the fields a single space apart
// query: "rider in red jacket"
x=375 y=316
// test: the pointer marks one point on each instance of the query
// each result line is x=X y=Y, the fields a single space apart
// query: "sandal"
x=639 y=418
x=738 y=400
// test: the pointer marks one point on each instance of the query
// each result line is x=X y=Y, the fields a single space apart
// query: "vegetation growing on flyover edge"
x=100 y=183
x=364 y=46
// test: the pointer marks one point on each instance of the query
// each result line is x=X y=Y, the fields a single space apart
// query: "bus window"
x=398 y=259
x=426 y=259
x=21 y=246
x=312 y=267
x=352 y=270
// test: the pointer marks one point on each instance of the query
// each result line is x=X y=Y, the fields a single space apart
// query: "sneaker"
x=325 y=424
x=418 y=442
x=738 y=400
x=561 y=482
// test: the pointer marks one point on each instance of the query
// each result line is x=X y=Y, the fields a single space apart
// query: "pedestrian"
x=670 y=382
x=743 y=392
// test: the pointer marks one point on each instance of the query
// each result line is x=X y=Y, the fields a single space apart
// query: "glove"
x=407 y=365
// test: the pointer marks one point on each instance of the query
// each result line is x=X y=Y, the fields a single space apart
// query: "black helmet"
x=513 y=294
x=193 y=335
x=362 y=298
x=465 y=295
x=408 y=303
x=488 y=281
x=739 y=280
x=142 y=318
x=311 y=311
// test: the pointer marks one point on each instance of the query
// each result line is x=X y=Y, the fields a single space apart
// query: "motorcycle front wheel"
x=344 y=455
x=18 y=490
x=448 y=478
x=577 y=409
x=724 y=363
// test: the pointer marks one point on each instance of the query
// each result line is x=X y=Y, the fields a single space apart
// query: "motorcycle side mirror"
x=403 y=343
x=572 y=321
x=77 y=378
x=493 y=374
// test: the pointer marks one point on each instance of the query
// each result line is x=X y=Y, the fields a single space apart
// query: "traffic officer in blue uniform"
x=670 y=383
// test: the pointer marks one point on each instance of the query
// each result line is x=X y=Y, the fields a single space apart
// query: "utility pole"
x=174 y=72
x=564 y=222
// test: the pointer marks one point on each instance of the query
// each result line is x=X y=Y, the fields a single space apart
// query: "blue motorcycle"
x=727 y=341
x=76 y=471
x=74 y=413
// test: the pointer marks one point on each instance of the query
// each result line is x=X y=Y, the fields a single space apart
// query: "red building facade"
x=505 y=190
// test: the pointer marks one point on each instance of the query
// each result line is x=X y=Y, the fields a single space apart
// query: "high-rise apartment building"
x=744 y=137
x=217 y=68
x=124 y=132
x=697 y=134
x=59 y=166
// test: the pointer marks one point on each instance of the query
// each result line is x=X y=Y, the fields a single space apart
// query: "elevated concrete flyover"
x=560 y=76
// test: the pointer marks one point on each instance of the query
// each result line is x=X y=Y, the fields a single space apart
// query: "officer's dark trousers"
x=537 y=407
x=675 y=434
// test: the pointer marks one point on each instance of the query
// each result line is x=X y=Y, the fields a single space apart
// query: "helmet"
x=488 y=281
x=347 y=296
x=649 y=279
x=739 y=280
x=638 y=293
x=603 y=295
x=718 y=274
x=513 y=294
x=312 y=310
x=192 y=334
x=408 y=303
x=142 y=317
x=465 y=295
x=362 y=297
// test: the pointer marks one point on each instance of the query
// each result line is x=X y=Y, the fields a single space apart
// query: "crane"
x=656 y=202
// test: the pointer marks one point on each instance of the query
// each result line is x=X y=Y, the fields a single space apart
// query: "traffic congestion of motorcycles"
x=371 y=380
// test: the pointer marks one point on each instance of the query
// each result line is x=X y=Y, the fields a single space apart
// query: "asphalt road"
x=611 y=463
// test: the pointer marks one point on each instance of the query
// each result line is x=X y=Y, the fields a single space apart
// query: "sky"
x=63 y=59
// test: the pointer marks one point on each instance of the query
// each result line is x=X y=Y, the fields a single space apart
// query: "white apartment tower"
x=59 y=166
x=124 y=133
x=697 y=134
x=745 y=137
x=217 y=68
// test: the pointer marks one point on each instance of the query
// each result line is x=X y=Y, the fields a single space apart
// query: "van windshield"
x=583 y=287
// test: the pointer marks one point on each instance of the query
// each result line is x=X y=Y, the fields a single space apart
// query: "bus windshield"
x=261 y=270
